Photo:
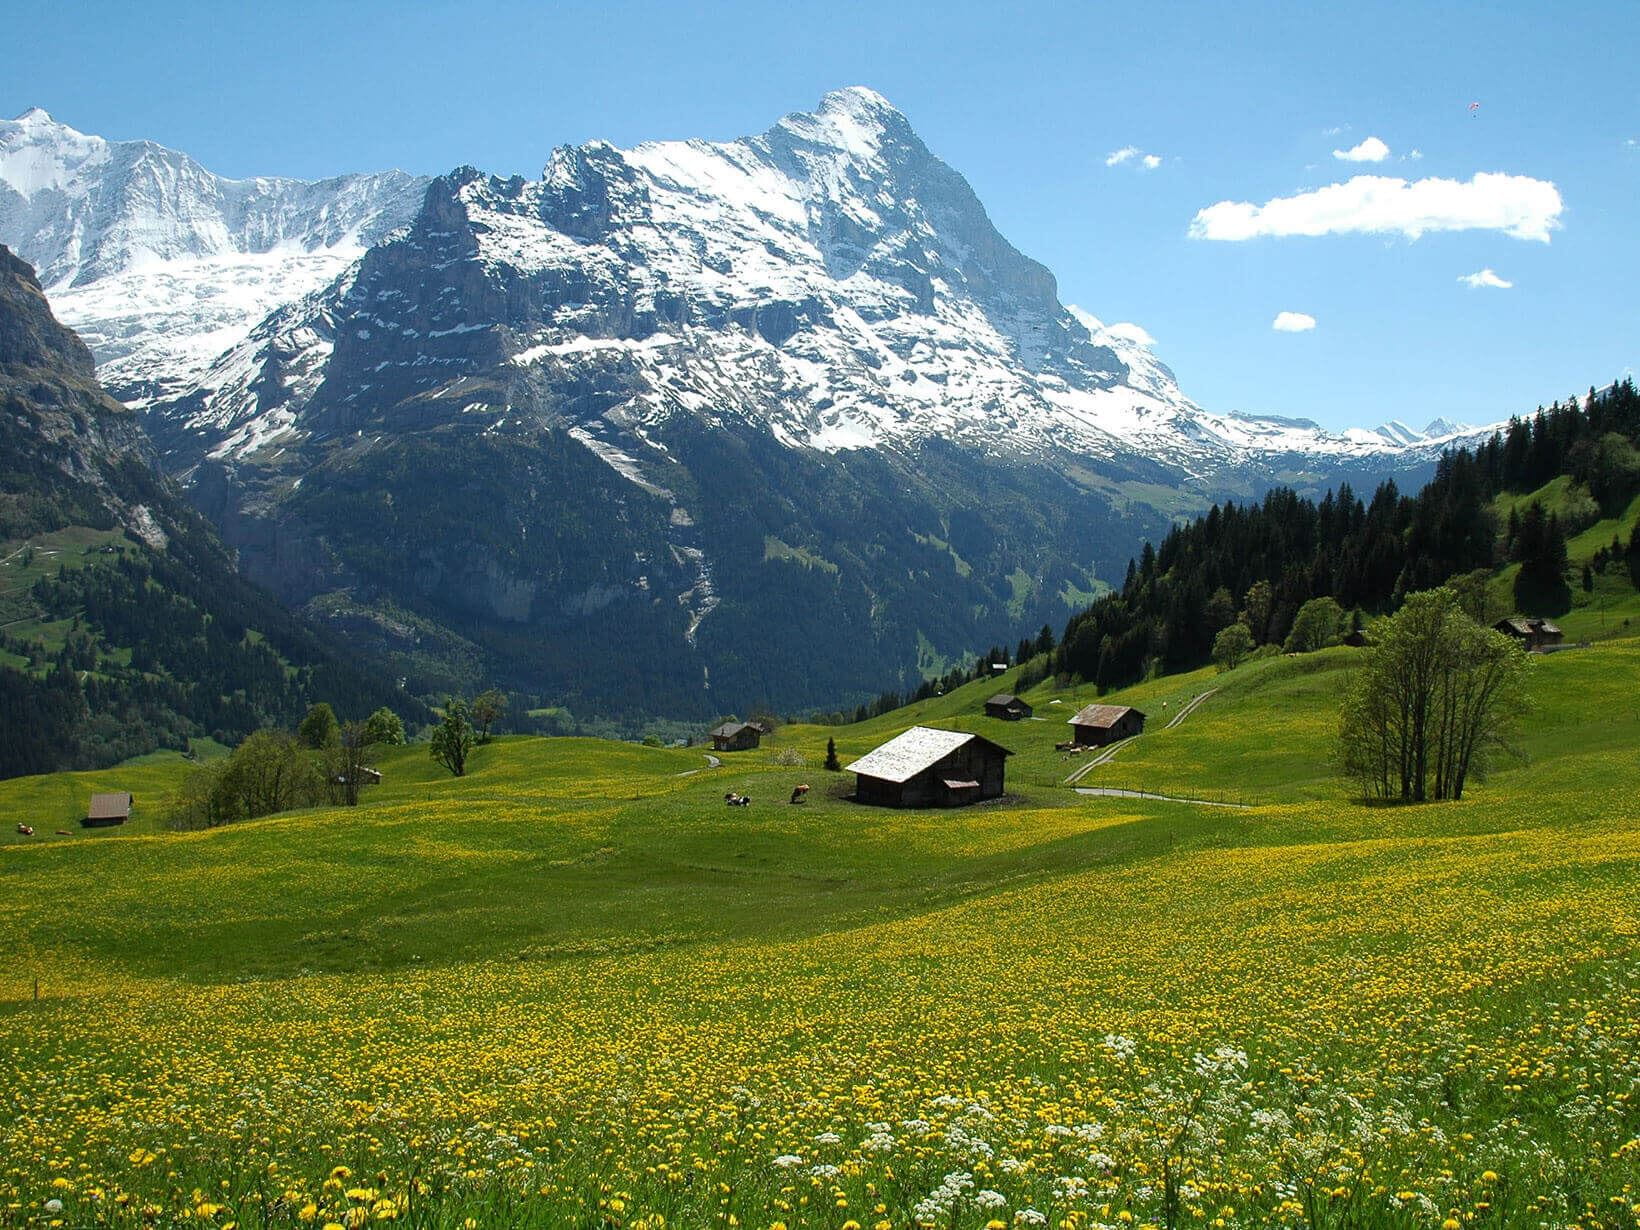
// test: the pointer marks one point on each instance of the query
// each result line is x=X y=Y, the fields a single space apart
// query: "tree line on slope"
x=1259 y=564
x=163 y=647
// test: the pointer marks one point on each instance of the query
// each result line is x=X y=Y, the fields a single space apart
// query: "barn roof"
x=921 y=747
x=730 y=729
x=1101 y=716
x=109 y=806
x=1002 y=698
x=1525 y=625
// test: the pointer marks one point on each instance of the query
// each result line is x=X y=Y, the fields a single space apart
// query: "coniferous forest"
x=1261 y=562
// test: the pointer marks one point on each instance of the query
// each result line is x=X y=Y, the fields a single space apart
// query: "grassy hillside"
x=574 y=988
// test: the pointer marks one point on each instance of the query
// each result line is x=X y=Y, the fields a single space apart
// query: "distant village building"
x=1097 y=725
x=1007 y=706
x=107 y=810
x=1531 y=632
x=366 y=777
x=736 y=736
x=925 y=767
x=999 y=668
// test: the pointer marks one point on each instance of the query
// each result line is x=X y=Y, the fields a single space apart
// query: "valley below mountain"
x=683 y=429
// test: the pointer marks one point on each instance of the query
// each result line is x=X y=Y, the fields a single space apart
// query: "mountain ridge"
x=672 y=403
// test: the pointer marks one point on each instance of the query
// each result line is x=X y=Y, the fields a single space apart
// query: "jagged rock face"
x=162 y=264
x=693 y=426
x=69 y=453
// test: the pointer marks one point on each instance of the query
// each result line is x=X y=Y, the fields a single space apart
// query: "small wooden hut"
x=107 y=810
x=925 y=767
x=1530 y=631
x=1098 y=725
x=1007 y=706
x=736 y=737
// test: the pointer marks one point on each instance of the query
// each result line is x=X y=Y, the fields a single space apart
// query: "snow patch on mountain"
x=162 y=265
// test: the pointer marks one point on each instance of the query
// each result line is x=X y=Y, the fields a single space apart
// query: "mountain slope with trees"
x=126 y=626
x=1259 y=564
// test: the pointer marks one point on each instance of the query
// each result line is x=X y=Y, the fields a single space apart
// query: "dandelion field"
x=575 y=990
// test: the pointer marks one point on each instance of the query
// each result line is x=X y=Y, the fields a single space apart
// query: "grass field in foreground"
x=575 y=989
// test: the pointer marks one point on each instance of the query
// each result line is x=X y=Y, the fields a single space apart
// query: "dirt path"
x=1109 y=753
x=712 y=762
x=1186 y=710
x=1112 y=792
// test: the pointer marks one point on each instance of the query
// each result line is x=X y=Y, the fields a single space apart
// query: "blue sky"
x=1242 y=104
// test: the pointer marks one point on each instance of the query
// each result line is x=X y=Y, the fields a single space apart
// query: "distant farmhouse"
x=1097 y=725
x=1007 y=706
x=925 y=767
x=1531 y=632
x=736 y=736
x=107 y=810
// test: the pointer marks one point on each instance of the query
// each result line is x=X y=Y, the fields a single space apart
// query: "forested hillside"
x=124 y=626
x=1260 y=562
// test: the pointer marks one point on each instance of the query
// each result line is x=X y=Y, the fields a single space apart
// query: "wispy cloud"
x=1293 y=322
x=1135 y=155
x=1485 y=278
x=1516 y=205
x=1370 y=150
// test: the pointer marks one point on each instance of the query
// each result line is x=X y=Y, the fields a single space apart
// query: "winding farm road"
x=1112 y=792
x=1106 y=756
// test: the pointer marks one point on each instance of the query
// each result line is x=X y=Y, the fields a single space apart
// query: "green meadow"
x=574 y=988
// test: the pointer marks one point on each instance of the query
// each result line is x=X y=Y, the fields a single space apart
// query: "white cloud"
x=1126 y=331
x=1130 y=332
x=1133 y=154
x=1517 y=205
x=1370 y=150
x=1416 y=154
x=1293 y=322
x=1485 y=277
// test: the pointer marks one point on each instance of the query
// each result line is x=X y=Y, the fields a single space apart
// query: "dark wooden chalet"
x=1007 y=706
x=736 y=736
x=1531 y=632
x=1355 y=639
x=1097 y=725
x=930 y=768
x=107 y=810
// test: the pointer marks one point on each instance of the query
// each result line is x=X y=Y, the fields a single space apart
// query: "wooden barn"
x=1097 y=725
x=1531 y=632
x=736 y=737
x=107 y=810
x=925 y=767
x=1007 y=706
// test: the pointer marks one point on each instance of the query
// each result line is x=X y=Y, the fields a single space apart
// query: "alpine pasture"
x=573 y=988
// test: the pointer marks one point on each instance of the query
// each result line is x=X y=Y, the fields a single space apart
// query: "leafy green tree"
x=385 y=727
x=1255 y=609
x=318 y=729
x=1435 y=699
x=454 y=738
x=1319 y=623
x=489 y=706
x=349 y=759
x=1233 y=643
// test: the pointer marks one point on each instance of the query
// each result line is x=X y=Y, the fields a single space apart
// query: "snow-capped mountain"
x=830 y=279
x=767 y=420
x=161 y=265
